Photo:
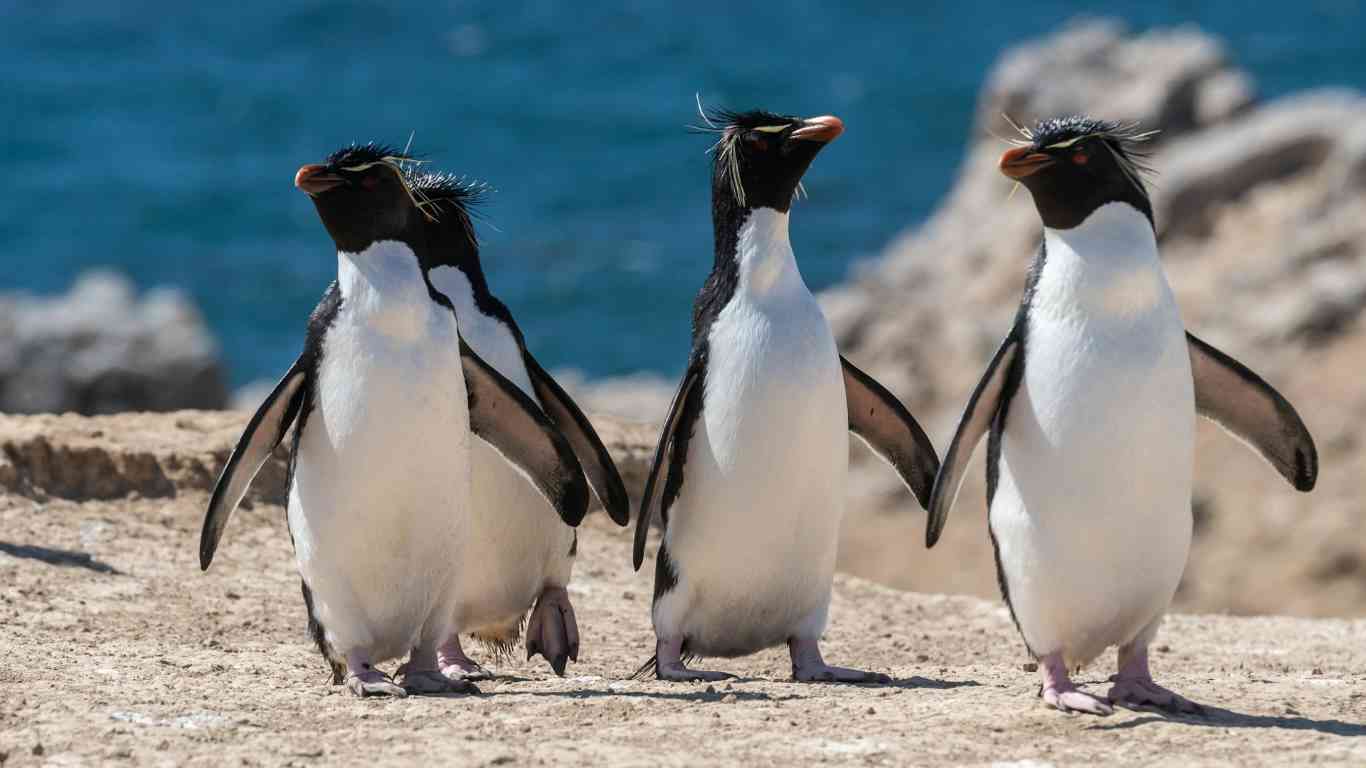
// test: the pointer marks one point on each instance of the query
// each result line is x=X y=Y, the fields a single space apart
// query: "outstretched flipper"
x=578 y=430
x=657 y=479
x=884 y=424
x=977 y=417
x=265 y=431
x=505 y=418
x=1240 y=401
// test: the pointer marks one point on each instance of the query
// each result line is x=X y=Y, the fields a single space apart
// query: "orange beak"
x=315 y=179
x=1020 y=162
x=824 y=129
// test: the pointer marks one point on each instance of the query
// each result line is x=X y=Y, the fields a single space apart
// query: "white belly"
x=1092 y=514
x=382 y=469
x=754 y=532
x=517 y=543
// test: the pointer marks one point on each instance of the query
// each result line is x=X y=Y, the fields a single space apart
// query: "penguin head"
x=759 y=158
x=1074 y=165
x=363 y=195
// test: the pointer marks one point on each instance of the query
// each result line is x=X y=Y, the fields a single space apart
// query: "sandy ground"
x=117 y=649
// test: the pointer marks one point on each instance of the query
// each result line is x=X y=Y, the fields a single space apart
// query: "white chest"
x=384 y=455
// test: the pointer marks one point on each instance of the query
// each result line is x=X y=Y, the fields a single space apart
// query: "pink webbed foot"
x=456 y=665
x=362 y=679
x=552 y=631
x=809 y=667
x=421 y=674
x=669 y=665
x=1060 y=693
x=1134 y=687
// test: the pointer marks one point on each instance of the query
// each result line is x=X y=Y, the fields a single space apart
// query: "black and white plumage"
x=515 y=552
x=749 y=473
x=384 y=399
x=1089 y=408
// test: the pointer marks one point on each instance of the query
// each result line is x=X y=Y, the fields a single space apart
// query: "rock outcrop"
x=1259 y=210
x=101 y=349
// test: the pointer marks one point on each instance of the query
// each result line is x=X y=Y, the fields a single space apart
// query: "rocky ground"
x=118 y=650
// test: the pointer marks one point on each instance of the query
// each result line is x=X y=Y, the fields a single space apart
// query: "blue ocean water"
x=162 y=138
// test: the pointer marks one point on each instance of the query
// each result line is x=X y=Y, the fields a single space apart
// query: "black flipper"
x=884 y=424
x=1238 y=400
x=265 y=430
x=578 y=430
x=505 y=418
x=976 y=420
x=654 y=483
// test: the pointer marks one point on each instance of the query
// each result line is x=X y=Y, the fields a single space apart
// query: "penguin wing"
x=976 y=420
x=578 y=430
x=1241 y=402
x=688 y=390
x=265 y=431
x=884 y=424
x=505 y=418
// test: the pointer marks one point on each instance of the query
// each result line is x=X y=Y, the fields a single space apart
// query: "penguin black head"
x=363 y=194
x=1074 y=165
x=760 y=157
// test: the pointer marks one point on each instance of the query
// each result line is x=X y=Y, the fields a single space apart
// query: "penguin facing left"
x=1089 y=410
x=384 y=400
x=749 y=473
x=515 y=552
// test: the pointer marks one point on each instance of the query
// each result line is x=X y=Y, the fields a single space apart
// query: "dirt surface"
x=117 y=649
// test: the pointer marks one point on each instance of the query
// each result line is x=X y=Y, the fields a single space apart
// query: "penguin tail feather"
x=647 y=669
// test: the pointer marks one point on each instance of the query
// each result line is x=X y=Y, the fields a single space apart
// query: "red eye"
x=1081 y=158
x=757 y=141
x=369 y=182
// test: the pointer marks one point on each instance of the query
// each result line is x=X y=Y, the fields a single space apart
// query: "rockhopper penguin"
x=384 y=399
x=749 y=473
x=1089 y=406
x=514 y=551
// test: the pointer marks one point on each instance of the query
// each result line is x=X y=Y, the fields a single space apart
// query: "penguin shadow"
x=916 y=682
x=66 y=558
x=691 y=696
x=1217 y=717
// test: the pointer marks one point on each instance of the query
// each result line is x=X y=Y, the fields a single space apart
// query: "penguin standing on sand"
x=1090 y=407
x=384 y=398
x=749 y=473
x=514 y=551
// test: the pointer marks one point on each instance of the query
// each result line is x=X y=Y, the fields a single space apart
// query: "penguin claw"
x=678 y=673
x=374 y=683
x=1073 y=700
x=429 y=681
x=1136 y=693
x=829 y=674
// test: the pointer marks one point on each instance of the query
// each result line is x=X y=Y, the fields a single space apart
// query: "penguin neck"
x=385 y=286
x=1107 y=265
x=762 y=253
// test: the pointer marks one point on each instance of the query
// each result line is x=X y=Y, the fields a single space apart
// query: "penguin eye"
x=757 y=140
x=369 y=181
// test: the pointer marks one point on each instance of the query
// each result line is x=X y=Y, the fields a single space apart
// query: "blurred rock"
x=1178 y=79
x=1260 y=214
x=99 y=349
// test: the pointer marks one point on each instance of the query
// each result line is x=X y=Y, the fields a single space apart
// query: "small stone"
x=872 y=711
x=728 y=699
x=1030 y=666
x=38 y=750
x=1164 y=648
x=921 y=658
x=710 y=689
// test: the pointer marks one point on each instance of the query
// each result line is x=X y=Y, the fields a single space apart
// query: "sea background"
x=161 y=140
